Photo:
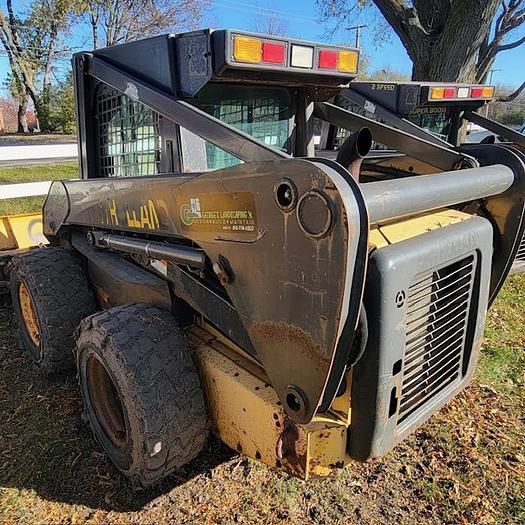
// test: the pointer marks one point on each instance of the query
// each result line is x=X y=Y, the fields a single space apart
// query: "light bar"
x=247 y=49
x=460 y=92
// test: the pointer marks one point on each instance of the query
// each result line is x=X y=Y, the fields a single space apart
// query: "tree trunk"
x=22 y=116
x=441 y=45
x=38 y=108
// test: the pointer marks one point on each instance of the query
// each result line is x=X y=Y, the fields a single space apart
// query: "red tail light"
x=476 y=92
x=328 y=59
x=273 y=53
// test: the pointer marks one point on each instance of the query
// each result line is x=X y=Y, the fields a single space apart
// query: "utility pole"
x=492 y=71
x=357 y=30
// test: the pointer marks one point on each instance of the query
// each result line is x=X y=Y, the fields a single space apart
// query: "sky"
x=301 y=20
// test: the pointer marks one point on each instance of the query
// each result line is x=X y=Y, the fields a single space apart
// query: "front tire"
x=50 y=296
x=141 y=391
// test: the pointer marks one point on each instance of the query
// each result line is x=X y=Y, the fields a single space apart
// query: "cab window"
x=264 y=113
x=128 y=135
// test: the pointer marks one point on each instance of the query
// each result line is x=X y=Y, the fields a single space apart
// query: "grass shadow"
x=48 y=448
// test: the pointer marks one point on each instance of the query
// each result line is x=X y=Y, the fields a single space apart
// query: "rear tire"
x=50 y=296
x=142 y=394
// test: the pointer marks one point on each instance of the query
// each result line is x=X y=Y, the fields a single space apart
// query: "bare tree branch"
x=513 y=95
x=405 y=21
x=512 y=15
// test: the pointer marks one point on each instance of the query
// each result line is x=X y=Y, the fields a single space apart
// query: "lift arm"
x=438 y=156
x=514 y=136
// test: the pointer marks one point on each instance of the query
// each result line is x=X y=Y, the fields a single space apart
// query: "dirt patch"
x=467 y=465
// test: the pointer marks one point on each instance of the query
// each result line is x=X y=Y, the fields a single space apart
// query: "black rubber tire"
x=60 y=293
x=147 y=357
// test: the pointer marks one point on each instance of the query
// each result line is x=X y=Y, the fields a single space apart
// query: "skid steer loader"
x=208 y=271
x=433 y=112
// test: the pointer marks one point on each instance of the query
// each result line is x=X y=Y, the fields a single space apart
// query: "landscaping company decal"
x=220 y=213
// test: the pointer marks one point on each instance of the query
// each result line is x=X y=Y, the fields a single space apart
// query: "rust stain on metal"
x=290 y=449
x=292 y=337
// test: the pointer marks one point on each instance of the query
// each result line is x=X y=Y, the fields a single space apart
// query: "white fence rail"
x=39 y=151
x=24 y=189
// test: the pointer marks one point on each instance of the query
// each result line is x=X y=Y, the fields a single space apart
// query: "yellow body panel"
x=246 y=413
x=402 y=230
x=19 y=232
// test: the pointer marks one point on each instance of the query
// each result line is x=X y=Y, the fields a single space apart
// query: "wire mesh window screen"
x=128 y=135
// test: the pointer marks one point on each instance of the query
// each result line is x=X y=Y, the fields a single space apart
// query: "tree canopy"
x=35 y=39
x=447 y=40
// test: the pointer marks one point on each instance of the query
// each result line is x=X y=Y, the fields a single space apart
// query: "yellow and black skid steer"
x=210 y=272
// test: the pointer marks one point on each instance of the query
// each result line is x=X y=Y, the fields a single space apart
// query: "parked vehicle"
x=209 y=271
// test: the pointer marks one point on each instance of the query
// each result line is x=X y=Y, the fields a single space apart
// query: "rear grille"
x=521 y=250
x=438 y=305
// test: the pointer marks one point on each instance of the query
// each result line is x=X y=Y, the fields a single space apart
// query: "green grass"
x=32 y=138
x=502 y=361
x=35 y=173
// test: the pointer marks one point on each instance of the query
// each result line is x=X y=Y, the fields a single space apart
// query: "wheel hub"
x=106 y=402
x=29 y=317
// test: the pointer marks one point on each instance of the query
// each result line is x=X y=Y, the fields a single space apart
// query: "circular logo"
x=187 y=215
x=400 y=298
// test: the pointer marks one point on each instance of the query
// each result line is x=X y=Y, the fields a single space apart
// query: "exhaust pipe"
x=354 y=149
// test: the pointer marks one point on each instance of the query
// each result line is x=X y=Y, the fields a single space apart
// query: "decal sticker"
x=142 y=215
x=220 y=213
x=131 y=91
x=429 y=110
x=370 y=106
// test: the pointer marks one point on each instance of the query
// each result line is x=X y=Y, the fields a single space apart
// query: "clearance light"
x=302 y=56
x=460 y=92
x=348 y=61
x=278 y=54
x=273 y=52
x=247 y=49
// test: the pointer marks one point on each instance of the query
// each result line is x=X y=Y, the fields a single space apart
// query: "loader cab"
x=432 y=107
x=260 y=85
x=266 y=113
